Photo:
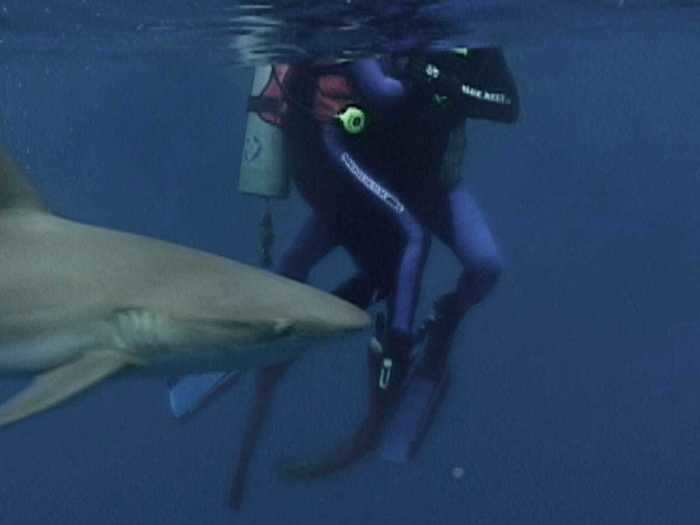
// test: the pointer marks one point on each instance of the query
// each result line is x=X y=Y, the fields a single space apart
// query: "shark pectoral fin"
x=55 y=386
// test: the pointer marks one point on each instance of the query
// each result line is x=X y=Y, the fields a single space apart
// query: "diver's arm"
x=494 y=95
x=380 y=92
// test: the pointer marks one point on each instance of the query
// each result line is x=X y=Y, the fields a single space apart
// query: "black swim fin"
x=386 y=371
x=364 y=439
x=420 y=397
x=266 y=384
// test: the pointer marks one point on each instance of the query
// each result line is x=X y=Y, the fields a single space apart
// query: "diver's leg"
x=458 y=221
x=416 y=240
x=313 y=242
x=359 y=290
x=464 y=229
x=388 y=365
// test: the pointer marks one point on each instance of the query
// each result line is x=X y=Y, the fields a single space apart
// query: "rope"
x=266 y=237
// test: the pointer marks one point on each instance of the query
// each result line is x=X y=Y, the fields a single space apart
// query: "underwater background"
x=575 y=394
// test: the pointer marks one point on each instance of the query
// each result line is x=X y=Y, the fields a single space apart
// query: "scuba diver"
x=344 y=181
x=410 y=140
x=373 y=143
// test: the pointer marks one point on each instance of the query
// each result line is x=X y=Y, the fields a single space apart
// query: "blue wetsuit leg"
x=460 y=224
x=313 y=242
x=384 y=205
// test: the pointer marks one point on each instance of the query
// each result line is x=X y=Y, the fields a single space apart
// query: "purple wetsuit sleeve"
x=379 y=91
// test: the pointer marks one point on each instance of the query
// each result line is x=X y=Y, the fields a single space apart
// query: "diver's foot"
x=437 y=348
x=410 y=422
x=439 y=335
x=433 y=363
x=388 y=368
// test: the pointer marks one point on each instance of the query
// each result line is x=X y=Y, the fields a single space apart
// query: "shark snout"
x=340 y=317
x=354 y=319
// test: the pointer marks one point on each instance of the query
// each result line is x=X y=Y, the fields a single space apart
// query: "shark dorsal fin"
x=15 y=189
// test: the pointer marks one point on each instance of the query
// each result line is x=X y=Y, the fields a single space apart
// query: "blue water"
x=575 y=394
x=224 y=31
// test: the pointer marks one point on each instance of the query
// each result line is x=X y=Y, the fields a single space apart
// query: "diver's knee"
x=484 y=275
x=419 y=238
x=491 y=268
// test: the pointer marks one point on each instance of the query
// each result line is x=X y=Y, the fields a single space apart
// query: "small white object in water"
x=457 y=472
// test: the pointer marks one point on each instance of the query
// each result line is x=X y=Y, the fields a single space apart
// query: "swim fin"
x=364 y=438
x=189 y=393
x=412 y=418
x=387 y=366
x=266 y=384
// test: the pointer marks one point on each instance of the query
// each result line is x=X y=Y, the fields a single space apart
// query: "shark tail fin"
x=15 y=189
x=55 y=386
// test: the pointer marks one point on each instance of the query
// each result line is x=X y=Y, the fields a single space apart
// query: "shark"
x=80 y=304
